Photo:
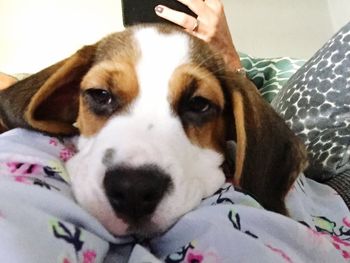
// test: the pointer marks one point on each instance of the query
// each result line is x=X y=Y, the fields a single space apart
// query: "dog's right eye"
x=199 y=105
x=99 y=96
x=100 y=101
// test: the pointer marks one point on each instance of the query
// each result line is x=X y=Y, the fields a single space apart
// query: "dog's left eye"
x=199 y=104
x=100 y=96
x=197 y=110
x=101 y=101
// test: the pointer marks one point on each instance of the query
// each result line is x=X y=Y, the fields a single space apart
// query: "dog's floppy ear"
x=269 y=156
x=48 y=100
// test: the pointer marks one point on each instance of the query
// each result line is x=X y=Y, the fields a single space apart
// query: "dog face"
x=154 y=108
x=145 y=115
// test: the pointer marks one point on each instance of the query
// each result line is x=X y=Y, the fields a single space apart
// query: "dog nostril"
x=149 y=197
x=116 y=198
x=136 y=192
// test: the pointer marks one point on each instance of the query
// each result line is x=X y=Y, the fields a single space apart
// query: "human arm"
x=210 y=26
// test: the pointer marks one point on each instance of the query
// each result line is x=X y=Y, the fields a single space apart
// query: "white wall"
x=339 y=12
x=296 y=28
x=37 y=33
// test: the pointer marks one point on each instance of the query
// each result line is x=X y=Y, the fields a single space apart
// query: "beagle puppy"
x=154 y=109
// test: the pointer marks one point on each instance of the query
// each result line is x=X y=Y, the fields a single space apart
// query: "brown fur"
x=47 y=100
x=208 y=87
x=271 y=155
x=119 y=79
x=241 y=135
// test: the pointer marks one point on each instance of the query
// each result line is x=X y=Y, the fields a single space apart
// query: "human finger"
x=6 y=80
x=196 y=6
x=179 y=18
x=215 y=5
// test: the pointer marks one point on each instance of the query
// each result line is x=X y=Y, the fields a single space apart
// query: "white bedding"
x=40 y=221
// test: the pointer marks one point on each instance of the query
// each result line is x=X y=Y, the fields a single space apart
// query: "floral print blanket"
x=41 y=222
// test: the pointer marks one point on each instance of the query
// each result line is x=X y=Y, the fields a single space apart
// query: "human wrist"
x=233 y=63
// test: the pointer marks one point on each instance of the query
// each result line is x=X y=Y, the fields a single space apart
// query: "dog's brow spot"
x=168 y=167
x=108 y=157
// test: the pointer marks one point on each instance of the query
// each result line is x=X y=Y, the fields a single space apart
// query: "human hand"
x=6 y=80
x=210 y=26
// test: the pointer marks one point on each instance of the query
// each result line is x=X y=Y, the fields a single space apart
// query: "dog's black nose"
x=136 y=192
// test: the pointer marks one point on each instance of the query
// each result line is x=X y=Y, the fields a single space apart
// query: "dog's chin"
x=142 y=229
x=146 y=230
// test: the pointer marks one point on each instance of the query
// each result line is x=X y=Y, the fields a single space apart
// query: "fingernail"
x=159 y=9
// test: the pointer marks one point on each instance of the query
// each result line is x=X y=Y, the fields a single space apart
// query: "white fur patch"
x=148 y=134
x=157 y=63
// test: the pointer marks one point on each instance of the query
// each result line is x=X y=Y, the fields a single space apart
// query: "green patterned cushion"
x=270 y=74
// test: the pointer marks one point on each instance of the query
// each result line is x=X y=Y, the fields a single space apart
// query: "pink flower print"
x=211 y=257
x=194 y=257
x=66 y=260
x=315 y=233
x=22 y=179
x=281 y=252
x=346 y=221
x=23 y=168
x=336 y=242
x=66 y=154
x=89 y=256
x=13 y=166
x=340 y=241
x=346 y=254
x=53 y=142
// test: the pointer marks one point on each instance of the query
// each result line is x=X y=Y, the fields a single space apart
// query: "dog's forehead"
x=162 y=51
x=144 y=41
x=162 y=45
x=159 y=56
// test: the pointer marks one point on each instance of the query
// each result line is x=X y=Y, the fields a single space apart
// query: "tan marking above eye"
x=208 y=85
x=210 y=135
x=117 y=78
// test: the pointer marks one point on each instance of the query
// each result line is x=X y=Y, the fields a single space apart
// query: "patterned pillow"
x=270 y=74
x=316 y=104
